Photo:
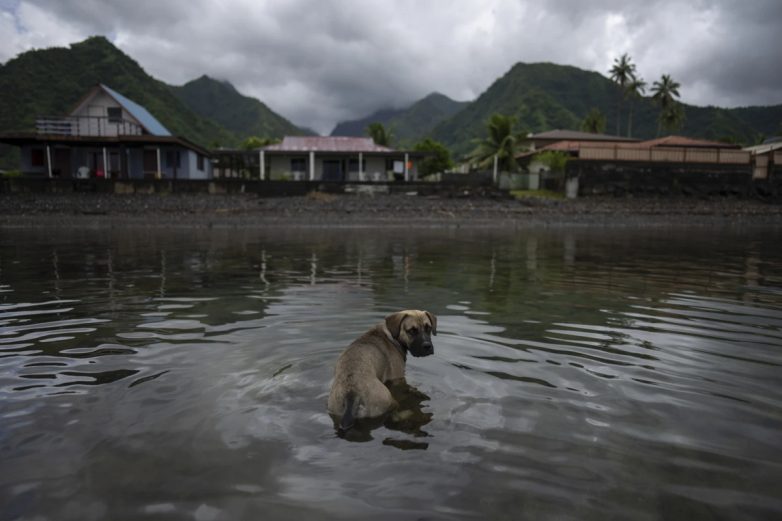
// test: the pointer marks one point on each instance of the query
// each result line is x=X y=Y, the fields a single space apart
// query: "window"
x=298 y=164
x=353 y=165
x=200 y=162
x=36 y=157
x=115 y=114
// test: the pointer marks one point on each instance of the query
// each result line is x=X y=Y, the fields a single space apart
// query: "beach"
x=328 y=210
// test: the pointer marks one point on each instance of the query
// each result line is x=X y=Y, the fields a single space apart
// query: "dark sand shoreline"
x=361 y=211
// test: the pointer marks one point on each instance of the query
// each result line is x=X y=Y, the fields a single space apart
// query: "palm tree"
x=379 y=134
x=622 y=73
x=671 y=118
x=665 y=93
x=501 y=142
x=594 y=122
x=635 y=91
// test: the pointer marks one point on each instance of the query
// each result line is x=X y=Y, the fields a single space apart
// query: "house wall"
x=97 y=106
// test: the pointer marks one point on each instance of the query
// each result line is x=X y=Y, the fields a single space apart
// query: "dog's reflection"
x=408 y=418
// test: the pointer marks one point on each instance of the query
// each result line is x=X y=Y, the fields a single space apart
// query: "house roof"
x=767 y=146
x=681 y=141
x=327 y=144
x=142 y=115
x=31 y=138
x=576 y=135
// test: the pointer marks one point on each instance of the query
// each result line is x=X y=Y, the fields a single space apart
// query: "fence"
x=666 y=155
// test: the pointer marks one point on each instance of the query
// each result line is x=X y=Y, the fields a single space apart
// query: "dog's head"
x=413 y=329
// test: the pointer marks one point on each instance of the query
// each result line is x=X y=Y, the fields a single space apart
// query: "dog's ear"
x=433 y=320
x=394 y=322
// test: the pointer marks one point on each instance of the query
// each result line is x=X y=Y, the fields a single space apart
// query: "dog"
x=375 y=358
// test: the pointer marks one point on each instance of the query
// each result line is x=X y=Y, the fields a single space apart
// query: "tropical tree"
x=594 y=122
x=622 y=73
x=253 y=142
x=665 y=93
x=501 y=142
x=438 y=159
x=635 y=91
x=379 y=134
x=672 y=118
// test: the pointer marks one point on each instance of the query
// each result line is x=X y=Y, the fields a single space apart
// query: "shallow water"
x=578 y=374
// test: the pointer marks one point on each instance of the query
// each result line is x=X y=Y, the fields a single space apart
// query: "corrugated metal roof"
x=681 y=141
x=147 y=120
x=327 y=144
x=576 y=135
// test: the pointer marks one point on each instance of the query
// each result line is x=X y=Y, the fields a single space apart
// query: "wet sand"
x=325 y=210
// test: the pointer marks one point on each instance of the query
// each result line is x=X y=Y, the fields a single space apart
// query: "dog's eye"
x=427 y=328
x=413 y=331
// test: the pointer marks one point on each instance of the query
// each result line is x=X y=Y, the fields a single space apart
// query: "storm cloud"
x=320 y=62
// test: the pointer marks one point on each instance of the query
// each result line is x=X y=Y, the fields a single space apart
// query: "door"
x=150 y=163
x=61 y=166
x=332 y=170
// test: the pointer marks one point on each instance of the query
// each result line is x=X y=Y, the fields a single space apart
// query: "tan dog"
x=376 y=357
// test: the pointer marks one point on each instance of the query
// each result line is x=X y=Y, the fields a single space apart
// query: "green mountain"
x=220 y=102
x=51 y=82
x=546 y=96
x=358 y=127
x=407 y=125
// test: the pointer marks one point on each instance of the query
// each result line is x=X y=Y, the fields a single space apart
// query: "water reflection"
x=579 y=374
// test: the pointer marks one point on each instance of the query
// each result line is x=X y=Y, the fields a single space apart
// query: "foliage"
x=12 y=173
x=594 y=122
x=438 y=161
x=635 y=91
x=379 y=134
x=672 y=118
x=220 y=102
x=623 y=74
x=254 y=142
x=410 y=124
x=553 y=159
x=501 y=142
x=665 y=93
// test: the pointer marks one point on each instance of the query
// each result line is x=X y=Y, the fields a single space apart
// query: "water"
x=578 y=374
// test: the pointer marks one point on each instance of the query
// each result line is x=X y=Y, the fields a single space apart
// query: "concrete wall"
x=602 y=178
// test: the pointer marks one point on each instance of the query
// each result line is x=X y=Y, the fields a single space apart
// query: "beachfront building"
x=320 y=158
x=107 y=135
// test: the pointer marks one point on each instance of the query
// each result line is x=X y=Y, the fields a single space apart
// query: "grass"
x=536 y=194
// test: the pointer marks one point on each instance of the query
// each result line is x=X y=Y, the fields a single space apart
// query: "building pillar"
x=312 y=165
x=494 y=172
x=159 y=171
x=262 y=158
x=407 y=172
x=49 y=160
x=105 y=165
x=360 y=166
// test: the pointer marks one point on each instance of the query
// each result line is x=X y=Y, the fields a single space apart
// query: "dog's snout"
x=428 y=348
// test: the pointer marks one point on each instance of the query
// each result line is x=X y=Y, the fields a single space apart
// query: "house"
x=321 y=158
x=766 y=157
x=107 y=135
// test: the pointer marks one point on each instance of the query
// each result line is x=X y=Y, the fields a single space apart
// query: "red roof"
x=327 y=144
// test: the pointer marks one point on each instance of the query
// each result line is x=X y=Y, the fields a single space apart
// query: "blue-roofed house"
x=107 y=135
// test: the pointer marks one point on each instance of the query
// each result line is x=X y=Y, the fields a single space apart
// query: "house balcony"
x=86 y=126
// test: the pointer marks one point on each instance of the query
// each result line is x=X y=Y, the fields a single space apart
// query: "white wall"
x=97 y=106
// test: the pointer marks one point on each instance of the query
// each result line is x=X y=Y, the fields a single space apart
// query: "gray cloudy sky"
x=317 y=62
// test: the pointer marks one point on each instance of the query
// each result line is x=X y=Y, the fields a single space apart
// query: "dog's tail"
x=348 y=418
